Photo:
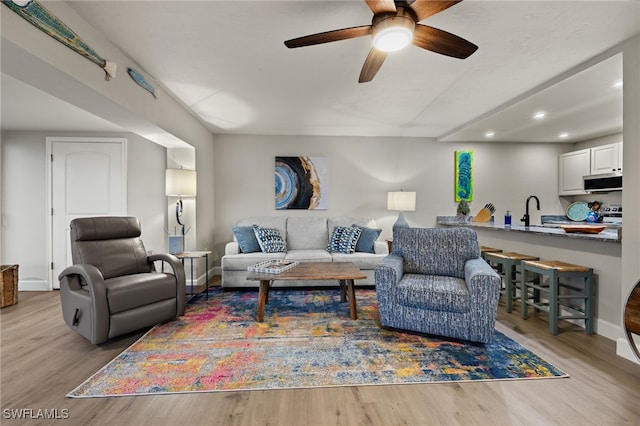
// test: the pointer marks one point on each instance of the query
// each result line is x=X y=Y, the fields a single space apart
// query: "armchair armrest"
x=71 y=281
x=90 y=275
x=178 y=271
x=484 y=283
x=387 y=275
x=389 y=272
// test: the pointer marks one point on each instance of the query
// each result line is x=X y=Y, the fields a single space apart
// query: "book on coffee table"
x=274 y=266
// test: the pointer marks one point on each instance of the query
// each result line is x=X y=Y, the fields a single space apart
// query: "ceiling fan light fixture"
x=393 y=33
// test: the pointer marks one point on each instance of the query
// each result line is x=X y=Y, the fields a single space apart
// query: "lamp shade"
x=401 y=201
x=180 y=183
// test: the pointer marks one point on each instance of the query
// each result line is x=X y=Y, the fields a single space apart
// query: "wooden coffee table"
x=344 y=272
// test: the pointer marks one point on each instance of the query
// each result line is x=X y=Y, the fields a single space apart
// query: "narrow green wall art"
x=463 y=185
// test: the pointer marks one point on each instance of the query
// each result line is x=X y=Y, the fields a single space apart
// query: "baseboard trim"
x=33 y=285
x=201 y=279
x=624 y=350
x=602 y=328
x=607 y=329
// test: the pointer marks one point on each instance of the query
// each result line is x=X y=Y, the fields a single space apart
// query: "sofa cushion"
x=277 y=222
x=367 y=238
x=246 y=238
x=364 y=261
x=240 y=262
x=344 y=239
x=270 y=240
x=310 y=255
x=307 y=233
x=434 y=292
x=436 y=251
x=332 y=222
x=132 y=291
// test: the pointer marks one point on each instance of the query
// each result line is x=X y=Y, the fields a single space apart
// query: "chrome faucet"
x=526 y=218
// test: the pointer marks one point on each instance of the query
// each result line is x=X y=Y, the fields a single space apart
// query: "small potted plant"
x=463 y=209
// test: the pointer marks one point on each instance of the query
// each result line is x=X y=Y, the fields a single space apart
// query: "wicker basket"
x=8 y=285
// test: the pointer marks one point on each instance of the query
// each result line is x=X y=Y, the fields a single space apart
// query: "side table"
x=191 y=255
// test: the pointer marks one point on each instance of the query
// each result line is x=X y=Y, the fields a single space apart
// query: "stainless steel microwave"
x=603 y=183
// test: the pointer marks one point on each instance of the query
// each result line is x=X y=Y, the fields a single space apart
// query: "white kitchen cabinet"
x=572 y=167
x=606 y=159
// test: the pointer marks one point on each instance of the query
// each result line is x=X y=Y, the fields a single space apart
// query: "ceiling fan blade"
x=380 y=6
x=442 y=42
x=426 y=8
x=372 y=64
x=329 y=36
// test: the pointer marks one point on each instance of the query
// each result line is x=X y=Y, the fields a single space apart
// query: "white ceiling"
x=226 y=60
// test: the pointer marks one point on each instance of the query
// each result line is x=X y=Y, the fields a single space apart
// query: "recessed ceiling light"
x=563 y=135
x=539 y=115
x=489 y=134
x=617 y=84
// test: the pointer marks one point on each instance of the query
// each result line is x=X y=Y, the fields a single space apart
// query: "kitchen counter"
x=602 y=252
x=611 y=234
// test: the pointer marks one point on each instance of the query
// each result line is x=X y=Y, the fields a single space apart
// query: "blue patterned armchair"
x=435 y=282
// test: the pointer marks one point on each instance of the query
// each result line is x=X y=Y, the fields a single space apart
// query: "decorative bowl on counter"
x=583 y=229
x=578 y=211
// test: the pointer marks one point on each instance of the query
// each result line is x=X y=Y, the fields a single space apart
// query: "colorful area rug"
x=307 y=340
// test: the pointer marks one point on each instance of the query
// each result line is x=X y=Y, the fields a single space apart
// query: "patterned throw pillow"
x=344 y=239
x=270 y=240
x=366 y=242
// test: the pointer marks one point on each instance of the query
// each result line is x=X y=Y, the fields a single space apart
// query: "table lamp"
x=403 y=202
x=180 y=183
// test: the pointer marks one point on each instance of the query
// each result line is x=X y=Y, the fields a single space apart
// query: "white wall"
x=362 y=171
x=24 y=198
x=33 y=57
x=631 y=160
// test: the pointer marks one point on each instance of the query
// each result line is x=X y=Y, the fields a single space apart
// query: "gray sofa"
x=306 y=241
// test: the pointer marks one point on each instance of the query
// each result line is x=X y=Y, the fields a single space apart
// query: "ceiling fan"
x=395 y=24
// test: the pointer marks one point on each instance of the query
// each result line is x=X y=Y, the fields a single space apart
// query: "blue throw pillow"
x=367 y=239
x=270 y=240
x=344 y=239
x=246 y=239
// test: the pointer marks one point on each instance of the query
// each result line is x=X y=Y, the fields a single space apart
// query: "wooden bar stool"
x=508 y=264
x=486 y=249
x=559 y=301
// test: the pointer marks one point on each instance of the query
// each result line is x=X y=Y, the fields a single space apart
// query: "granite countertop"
x=611 y=234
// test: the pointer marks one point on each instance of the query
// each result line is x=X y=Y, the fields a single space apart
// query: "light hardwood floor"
x=42 y=360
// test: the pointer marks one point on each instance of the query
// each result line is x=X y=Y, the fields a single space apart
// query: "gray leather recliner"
x=113 y=287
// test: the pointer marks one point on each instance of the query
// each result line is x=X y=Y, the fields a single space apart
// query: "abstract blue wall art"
x=301 y=183
x=463 y=185
x=45 y=21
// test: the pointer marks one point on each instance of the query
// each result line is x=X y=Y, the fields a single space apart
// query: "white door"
x=87 y=179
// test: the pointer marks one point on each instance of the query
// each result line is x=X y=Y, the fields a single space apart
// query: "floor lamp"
x=180 y=183
x=403 y=202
